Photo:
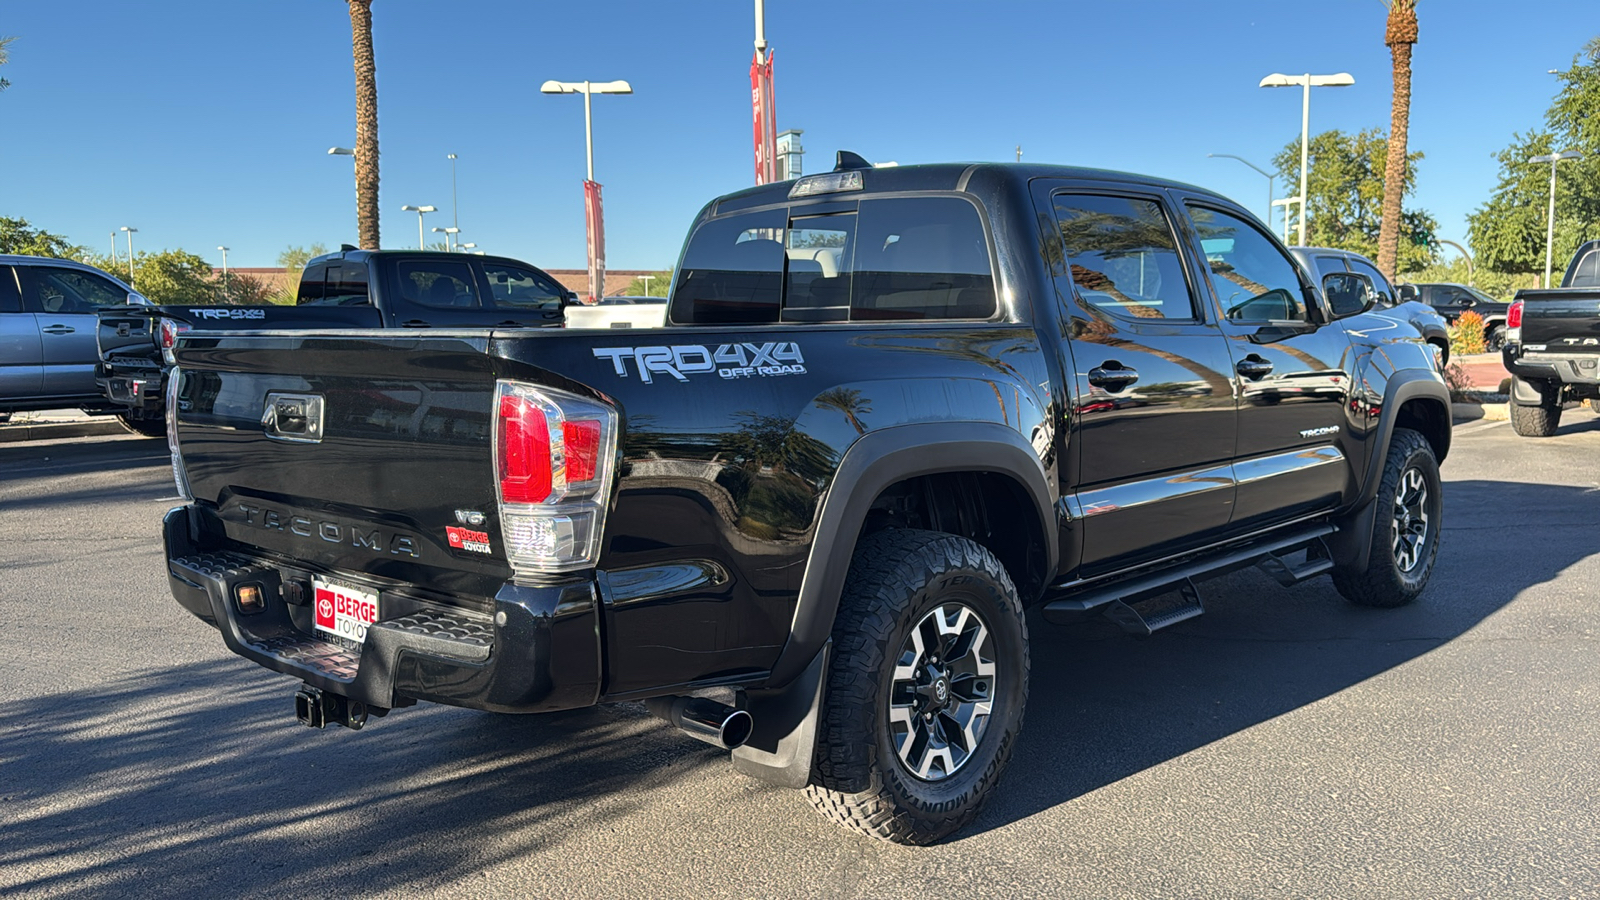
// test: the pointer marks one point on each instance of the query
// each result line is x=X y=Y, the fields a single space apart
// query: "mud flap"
x=785 y=736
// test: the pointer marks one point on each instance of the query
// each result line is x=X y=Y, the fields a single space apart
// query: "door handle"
x=1253 y=367
x=58 y=329
x=1115 y=378
x=415 y=323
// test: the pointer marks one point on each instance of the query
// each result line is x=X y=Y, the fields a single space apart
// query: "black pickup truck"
x=348 y=289
x=1552 y=347
x=891 y=409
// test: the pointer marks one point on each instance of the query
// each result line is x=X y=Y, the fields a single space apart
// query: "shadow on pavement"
x=1103 y=706
x=197 y=781
x=194 y=779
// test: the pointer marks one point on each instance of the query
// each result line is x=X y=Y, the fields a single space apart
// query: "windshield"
x=1482 y=297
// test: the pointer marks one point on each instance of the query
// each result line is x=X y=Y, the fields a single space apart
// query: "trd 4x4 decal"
x=728 y=360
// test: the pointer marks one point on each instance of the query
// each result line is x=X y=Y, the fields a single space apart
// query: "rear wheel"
x=1535 y=421
x=926 y=688
x=147 y=427
x=1405 y=537
x=1494 y=339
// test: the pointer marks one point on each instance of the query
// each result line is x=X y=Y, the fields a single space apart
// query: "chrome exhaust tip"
x=706 y=720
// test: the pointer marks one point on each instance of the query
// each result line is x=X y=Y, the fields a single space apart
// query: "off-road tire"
x=150 y=428
x=1494 y=339
x=1384 y=583
x=897 y=577
x=1535 y=421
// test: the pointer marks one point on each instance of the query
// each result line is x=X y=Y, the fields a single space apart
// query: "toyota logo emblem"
x=940 y=689
x=325 y=608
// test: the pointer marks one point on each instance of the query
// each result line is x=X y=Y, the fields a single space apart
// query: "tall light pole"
x=1306 y=81
x=594 y=221
x=130 y=232
x=586 y=88
x=1550 y=229
x=224 y=267
x=1258 y=169
x=448 y=233
x=646 y=279
x=113 y=248
x=422 y=241
x=455 y=210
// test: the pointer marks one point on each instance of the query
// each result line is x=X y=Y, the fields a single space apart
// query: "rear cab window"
x=10 y=295
x=1123 y=255
x=437 y=283
x=902 y=258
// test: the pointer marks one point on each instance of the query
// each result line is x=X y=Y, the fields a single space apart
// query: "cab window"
x=440 y=284
x=1380 y=284
x=1253 y=280
x=518 y=288
x=1123 y=256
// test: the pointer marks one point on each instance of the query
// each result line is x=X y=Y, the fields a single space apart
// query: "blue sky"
x=204 y=123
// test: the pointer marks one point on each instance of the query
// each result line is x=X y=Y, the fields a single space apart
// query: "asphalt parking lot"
x=1284 y=744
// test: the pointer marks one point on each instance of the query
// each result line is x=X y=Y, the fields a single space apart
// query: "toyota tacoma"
x=891 y=410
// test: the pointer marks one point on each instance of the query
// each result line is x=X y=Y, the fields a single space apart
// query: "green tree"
x=174 y=277
x=5 y=57
x=294 y=259
x=657 y=286
x=1345 y=202
x=17 y=236
x=1508 y=231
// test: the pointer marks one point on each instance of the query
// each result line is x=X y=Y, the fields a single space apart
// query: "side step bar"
x=1120 y=596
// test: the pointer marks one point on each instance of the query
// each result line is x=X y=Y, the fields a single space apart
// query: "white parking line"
x=1479 y=426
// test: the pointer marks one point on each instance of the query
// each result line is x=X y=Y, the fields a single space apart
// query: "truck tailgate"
x=347 y=455
x=1561 y=319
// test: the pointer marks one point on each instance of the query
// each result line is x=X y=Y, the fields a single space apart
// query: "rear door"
x=1293 y=377
x=65 y=303
x=21 y=357
x=1152 y=384
x=437 y=292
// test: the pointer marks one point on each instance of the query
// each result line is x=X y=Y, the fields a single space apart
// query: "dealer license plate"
x=343 y=610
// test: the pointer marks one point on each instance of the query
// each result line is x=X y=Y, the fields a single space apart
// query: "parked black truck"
x=891 y=409
x=348 y=289
x=1552 y=346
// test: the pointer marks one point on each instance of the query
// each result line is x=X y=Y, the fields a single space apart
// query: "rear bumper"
x=1566 y=368
x=132 y=391
x=537 y=652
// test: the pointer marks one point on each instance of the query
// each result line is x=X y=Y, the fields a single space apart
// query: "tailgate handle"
x=293 y=417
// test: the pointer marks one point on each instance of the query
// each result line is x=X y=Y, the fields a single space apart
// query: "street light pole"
x=224 y=267
x=1550 y=228
x=1252 y=165
x=130 y=232
x=1307 y=82
x=593 y=225
x=422 y=241
x=455 y=209
x=113 y=248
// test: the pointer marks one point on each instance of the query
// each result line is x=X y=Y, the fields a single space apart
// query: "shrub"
x=1456 y=378
x=1466 y=335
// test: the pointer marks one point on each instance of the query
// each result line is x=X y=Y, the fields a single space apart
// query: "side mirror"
x=1348 y=293
x=137 y=299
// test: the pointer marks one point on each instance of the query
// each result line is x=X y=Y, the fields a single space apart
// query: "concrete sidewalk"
x=57 y=423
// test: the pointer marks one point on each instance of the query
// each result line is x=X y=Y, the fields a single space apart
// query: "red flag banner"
x=772 y=121
x=594 y=222
x=758 y=93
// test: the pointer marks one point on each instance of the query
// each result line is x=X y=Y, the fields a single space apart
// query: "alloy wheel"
x=1410 y=535
x=943 y=692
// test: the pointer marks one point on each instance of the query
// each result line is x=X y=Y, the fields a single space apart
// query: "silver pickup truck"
x=48 y=322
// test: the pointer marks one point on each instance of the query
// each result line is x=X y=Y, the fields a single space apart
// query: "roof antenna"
x=847 y=160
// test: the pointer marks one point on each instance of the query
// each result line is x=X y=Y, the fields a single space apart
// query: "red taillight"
x=524 y=452
x=169 y=334
x=1514 y=315
x=582 y=439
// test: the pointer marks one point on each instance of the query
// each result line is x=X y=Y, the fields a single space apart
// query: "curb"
x=17 y=433
x=1473 y=412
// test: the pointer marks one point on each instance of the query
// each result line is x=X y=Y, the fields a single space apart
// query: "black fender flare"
x=873 y=463
x=1353 y=540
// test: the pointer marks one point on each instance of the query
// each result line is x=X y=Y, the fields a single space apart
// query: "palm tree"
x=1400 y=35
x=4 y=58
x=849 y=402
x=366 y=123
